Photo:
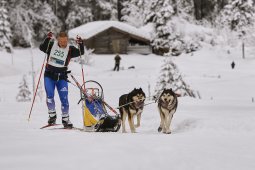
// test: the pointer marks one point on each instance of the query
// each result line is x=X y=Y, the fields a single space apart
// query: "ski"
x=49 y=125
x=63 y=128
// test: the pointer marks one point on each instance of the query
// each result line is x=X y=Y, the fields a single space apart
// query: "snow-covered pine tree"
x=44 y=21
x=170 y=77
x=79 y=15
x=104 y=9
x=19 y=25
x=133 y=12
x=37 y=17
x=85 y=59
x=165 y=37
x=5 y=31
x=114 y=11
x=61 y=9
x=237 y=15
x=24 y=92
x=184 y=9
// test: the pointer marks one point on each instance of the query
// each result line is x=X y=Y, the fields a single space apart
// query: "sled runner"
x=95 y=115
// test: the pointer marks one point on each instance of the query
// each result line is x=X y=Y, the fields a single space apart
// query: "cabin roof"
x=91 y=29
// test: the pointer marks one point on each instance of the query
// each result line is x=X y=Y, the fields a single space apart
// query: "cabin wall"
x=110 y=41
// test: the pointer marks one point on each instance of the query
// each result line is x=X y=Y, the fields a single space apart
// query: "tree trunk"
x=197 y=6
x=119 y=8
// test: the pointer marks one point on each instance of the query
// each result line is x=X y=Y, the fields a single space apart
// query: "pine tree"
x=78 y=16
x=160 y=14
x=85 y=59
x=114 y=11
x=24 y=92
x=133 y=12
x=119 y=8
x=237 y=15
x=185 y=9
x=62 y=8
x=44 y=21
x=170 y=77
x=5 y=31
x=32 y=18
x=104 y=9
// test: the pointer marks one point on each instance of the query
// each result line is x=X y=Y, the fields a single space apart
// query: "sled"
x=96 y=116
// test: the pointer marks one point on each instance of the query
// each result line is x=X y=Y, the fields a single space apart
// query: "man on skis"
x=55 y=76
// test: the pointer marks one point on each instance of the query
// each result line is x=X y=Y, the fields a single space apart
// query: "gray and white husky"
x=167 y=105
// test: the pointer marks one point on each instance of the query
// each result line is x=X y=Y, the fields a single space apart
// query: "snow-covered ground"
x=214 y=132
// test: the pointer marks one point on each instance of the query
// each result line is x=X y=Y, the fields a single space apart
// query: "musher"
x=55 y=76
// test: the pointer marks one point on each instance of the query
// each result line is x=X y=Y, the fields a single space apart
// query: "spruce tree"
x=104 y=9
x=36 y=18
x=160 y=14
x=5 y=31
x=238 y=16
x=78 y=16
x=114 y=11
x=24 y=92
x=170 y=77
x=133 y=12
x=184 y=9
x=44 y=21
x=85 y=59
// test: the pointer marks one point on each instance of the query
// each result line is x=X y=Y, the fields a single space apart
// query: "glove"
x=78 y=39
x=50 y=35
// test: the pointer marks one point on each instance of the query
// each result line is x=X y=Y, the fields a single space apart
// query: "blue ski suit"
x=56 y=77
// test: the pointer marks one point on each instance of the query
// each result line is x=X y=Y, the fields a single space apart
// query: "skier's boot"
x=52 y=118
x=66 y=122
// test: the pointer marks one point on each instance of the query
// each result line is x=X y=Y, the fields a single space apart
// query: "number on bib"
x=59 y=53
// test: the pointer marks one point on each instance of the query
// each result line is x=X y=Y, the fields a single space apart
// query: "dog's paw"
x=133 y=131
x=159 y=129
x=123 y=131
x=136 y=126
x=167 y=132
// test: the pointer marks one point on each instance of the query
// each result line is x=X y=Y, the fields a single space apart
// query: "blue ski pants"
x=62 y=87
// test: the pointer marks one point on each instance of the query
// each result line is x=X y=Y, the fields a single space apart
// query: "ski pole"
x=38 y=82
x=82 y=71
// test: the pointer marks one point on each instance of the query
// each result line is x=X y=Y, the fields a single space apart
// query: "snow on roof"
x=90 y=29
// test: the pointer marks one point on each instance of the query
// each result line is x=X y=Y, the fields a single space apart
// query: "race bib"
x=58 y=55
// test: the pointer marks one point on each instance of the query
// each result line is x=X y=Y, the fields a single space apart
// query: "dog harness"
x=137 y=106
x=168 y=105
x=134 y=106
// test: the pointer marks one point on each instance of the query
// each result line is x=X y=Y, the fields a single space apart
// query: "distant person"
x=117 y=63
x=59 y=54
x=233 y=65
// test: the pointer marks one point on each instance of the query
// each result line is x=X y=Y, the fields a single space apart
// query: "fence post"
x=243 y=50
